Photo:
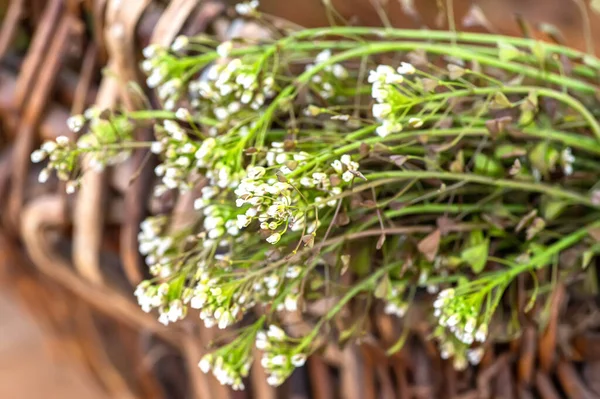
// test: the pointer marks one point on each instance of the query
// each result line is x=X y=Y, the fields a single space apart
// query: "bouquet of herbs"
x=342 y=164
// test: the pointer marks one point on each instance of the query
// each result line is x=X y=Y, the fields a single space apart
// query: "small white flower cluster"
x=327 y=81
x=394 y=302
x=157 y=249
x=169 y=93
x=247 y=7
x=180 y=43
x=458 y=316
x=383 y=81
x=461 y=354
x=227 y=367
x=231 y=92
x=275 y=204
x=101 y=144
x=157 y=65
x=567 y=160
x=98 y=144
x=346 y=168
x=280 y=356
x=214 y=300
x=219 y=223
x=282 y=290
x=58 y=154
x=151 y=296
x=222 y=303
x=181 y=156
x=270 y=203
x=278 y=157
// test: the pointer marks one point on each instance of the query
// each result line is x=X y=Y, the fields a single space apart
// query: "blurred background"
x=69 y=325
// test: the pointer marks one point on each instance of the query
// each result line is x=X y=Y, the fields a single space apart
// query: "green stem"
x=355 y=290
x=545 y=92
x=444 y=36
x=434 y=208
x=162 y=114
x=553 y=191
x=580 y=142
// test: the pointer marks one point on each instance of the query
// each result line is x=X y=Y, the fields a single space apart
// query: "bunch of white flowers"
x=271 y=203
x=395 y=304
x=280 y=355
x=460 y=317
x=567 y=159
x=328 y=81
x=58 y=154
x=388 y=98
x=101 y=145
x=157 y=248
x=159 y=297
x=247 y=7
x=213 y=299
x=160 y=66
x=458 y=329
x=231 y=92
x=179 y=159
x=227 y=368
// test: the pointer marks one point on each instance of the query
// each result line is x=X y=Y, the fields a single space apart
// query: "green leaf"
x=544 y=158
x=530 y=103
x=534 y=295
x=453 y=261
x=476 y=256
x=539 y=51
x=458 y=165
x=587 y=258
x=360 y=262
x=552 y=208
x=455 y=71
x=505 y=151
x=476 y=237
x=383 y=288
x=500 y=101
x=487 y=166
x=507 y=52
x=536 y=226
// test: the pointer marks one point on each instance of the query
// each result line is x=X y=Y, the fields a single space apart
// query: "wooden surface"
x=27 y=371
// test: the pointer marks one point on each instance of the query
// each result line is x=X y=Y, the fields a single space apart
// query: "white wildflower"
x=406 y=69
x=180 y=43
x=347 y=176
x=38 y=156
x=205 y=363
x=475 y=355
x=62 y=141
x=276 y=333
x=415 y=122
x=380 y=111
x=298 y=360
x=44 y=175
x=70 y=187
x=75 y=123
x=247 y=8
x=224 y=49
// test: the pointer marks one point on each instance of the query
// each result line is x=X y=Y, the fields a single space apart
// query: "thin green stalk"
x=553 y=191
x=545 y=92
x=443 y=36
x=355 y=290
x=434 y=208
